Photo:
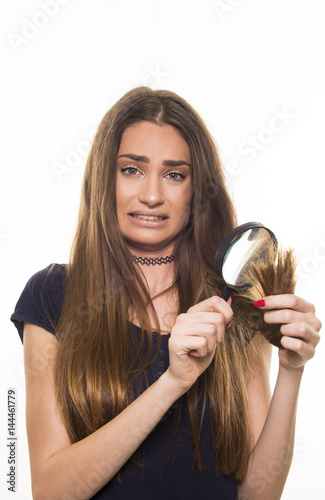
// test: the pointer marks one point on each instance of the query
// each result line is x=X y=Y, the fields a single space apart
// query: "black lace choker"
x=152 y=262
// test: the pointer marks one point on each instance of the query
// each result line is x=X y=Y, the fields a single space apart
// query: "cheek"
x=187 y=213
x=121 y=196
x=188 y=196
x=185 y=208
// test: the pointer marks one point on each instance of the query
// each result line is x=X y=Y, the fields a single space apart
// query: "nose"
x=152 y=192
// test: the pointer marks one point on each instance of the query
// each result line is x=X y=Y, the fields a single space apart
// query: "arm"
x=271 y=456
x=86 y=466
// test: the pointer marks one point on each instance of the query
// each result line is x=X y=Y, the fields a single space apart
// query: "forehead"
x=153 y=140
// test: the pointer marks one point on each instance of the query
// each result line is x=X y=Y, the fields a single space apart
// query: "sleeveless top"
x=155 y=477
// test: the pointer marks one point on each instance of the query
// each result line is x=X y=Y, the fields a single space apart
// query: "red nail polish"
x=259 y=303
x=228 y=325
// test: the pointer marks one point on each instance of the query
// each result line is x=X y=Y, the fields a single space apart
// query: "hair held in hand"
x=272 y=275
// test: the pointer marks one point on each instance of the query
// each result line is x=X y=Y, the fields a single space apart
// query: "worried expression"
x=153 y=187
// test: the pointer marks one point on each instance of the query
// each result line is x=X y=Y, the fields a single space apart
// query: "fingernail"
x=228 y=325
x=259 y=303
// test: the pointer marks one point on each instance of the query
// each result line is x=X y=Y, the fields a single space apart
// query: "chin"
x=149 y=246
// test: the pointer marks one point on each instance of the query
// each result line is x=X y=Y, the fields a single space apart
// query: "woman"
x=144 y=390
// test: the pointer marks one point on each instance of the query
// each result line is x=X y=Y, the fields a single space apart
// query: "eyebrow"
x=145 y=159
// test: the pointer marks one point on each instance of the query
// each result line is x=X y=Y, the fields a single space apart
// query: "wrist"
x=292 y=373
x=175 y=387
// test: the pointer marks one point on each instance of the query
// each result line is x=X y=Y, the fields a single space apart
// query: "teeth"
x=148 y=217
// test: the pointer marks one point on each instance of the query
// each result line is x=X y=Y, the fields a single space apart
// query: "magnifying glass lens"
x=252 y=244
x=243 y=246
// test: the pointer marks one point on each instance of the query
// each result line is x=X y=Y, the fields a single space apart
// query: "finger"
x=286 y=301
x=302 y=331
x=212 y=332
x=298 y=346
x=213 y=304
x=182 y=346
x=287 y=316
x=199 y=353
x=201 y=318
x=284 y=316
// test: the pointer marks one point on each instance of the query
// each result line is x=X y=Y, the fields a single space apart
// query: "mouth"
x=148 y=217
x=155 y=220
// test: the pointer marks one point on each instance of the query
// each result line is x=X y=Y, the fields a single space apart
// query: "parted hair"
x=99 y=362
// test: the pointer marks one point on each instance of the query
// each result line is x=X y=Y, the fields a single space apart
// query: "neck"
x=157 y=271
x=158 y=279
x=153 y=261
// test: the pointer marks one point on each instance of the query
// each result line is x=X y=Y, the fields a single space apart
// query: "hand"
x=299 y=326
x=194 y=338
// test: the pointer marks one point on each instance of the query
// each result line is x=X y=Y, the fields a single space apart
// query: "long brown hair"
x=95 y=371
x=272 y=274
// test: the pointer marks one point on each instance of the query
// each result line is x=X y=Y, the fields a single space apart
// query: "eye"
x=132 y=171
x=175 y=176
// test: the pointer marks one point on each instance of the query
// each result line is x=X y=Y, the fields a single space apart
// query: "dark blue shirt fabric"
x=154 y=478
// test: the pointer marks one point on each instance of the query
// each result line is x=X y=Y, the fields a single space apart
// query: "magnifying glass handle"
x=226 y=294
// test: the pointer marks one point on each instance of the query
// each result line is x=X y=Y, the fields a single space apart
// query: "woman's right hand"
x=194 y=338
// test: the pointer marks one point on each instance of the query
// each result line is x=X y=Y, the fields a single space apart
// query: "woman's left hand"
x=299 y=326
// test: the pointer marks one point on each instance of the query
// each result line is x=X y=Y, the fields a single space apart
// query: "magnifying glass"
x=246 y=244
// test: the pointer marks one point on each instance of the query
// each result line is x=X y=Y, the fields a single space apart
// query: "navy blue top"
x=154 y=478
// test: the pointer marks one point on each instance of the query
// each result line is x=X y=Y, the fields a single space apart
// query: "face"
x=153 y=187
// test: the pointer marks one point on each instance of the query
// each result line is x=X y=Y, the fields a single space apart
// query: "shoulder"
x=48 y=283
x=41 y=300
x=53 y=275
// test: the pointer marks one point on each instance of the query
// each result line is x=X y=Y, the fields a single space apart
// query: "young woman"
x=144 y=390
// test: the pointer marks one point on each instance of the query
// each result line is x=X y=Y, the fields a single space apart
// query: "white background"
x=240 y=63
